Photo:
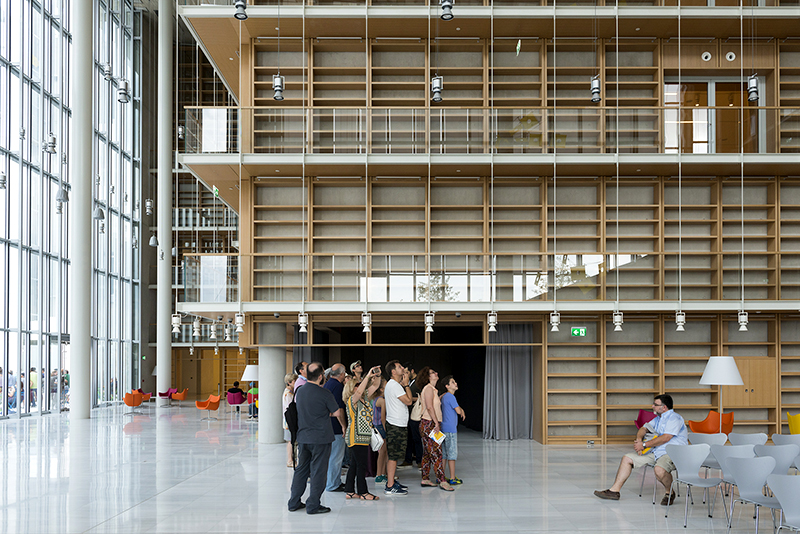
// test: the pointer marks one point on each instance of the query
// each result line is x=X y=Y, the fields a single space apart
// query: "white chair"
x=722 y=453
x=787 y=439
x=751 y=475
x=787 y=490
x=784 y=456
x=747 y=439
x=687 y=460
x=710 y=439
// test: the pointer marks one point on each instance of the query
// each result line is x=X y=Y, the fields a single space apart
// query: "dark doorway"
x=466 y=364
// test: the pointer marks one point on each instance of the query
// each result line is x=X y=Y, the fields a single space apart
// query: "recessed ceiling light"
x=230 y=188
x=458 y=29
x=638 y=170
x=278 y=29
x=458 y=170
x=637 y=29
x=230 y=58
x=277 y=170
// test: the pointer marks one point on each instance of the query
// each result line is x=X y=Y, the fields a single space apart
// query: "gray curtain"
x=508 y=392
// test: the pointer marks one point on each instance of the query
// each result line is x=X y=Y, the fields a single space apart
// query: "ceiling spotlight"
x=176 y=323
x=555 y=320
x=437 y=83
x=98 y=214
x=123 y=92
x=153 y=240
x=447 y=9
x=148 y=206
x=213 y=331
x=228 y=336
x=50 y=144
x=302 y=321
x=742 y=321
x=216 y=350
x=191 y=350
x=135 y=243
x=241 y=13
x=366 y=321
x=196 y=327
x=108 y=73
x=181 y=132
x=596 y=88
x=278 y=84
x=2 y=179
x=429 y=321
x=241 y=351
x=680 y=320
x=62 y=196
x=238 y=320
x=752 y=88
x=617 y=318
x=174 y=252
x=491 y=319
x=59 y=209
x=102 y=227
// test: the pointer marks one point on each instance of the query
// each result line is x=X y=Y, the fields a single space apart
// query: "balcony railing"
x=591 y=130
x=570 y=3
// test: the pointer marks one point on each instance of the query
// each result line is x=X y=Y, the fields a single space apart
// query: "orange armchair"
x=145 y=396
x=212 y=404
x=710 y=425
x=180 y=396
x=133 y=400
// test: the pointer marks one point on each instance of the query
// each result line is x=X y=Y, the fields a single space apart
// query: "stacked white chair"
x=688 y=459
x=751 y=475
x=787 y=490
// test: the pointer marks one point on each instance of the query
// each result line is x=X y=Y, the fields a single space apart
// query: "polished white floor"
x=168 y=472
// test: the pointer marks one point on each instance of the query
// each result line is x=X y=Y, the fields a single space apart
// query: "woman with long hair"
x=430 y=421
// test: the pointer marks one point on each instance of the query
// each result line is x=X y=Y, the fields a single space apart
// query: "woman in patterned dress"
x=359 y=432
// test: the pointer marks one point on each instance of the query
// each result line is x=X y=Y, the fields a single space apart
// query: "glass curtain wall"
x=35 y=50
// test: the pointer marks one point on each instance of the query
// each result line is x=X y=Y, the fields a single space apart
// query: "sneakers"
x=607 y=494
x=402 y=486
x=668 y=499
x=454 y=481
x=395 y=489
x=380 y=478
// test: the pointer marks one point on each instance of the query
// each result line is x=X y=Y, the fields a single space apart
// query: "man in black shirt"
x=315 y=407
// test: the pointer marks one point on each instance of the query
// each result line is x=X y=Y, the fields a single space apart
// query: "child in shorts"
x=450 y=414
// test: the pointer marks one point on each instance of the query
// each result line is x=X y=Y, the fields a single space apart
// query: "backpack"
x=293 y=422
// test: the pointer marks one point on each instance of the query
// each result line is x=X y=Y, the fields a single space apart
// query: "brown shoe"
x=607 y=494
x=668 y=499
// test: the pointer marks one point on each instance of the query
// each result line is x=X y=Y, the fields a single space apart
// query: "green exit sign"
x=578 y=331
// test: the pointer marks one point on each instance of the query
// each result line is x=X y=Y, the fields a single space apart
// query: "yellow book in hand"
x=647 y=438
x=438 y=437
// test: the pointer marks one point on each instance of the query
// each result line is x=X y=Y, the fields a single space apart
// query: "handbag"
x=416 y=410
x=376 y=440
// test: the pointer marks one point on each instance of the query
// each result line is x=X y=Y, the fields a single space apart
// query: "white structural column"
x=80 y=210
x=271 y=370
x=166 y=24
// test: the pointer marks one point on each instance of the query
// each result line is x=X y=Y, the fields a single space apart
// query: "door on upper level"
x=707 y=118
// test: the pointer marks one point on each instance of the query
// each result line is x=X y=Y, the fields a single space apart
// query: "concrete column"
x=166 y=25
x=80 y=210
x=271 y=370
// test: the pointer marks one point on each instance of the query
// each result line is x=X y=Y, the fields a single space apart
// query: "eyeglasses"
x=657 y=405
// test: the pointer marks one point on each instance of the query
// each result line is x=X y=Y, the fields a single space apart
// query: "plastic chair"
x=133 y=400
x=794 y=423
x=786 y=439
x=784 y=456
x=145 y=396
x=747 y=439
x=644 y=417
x=709 y=439
x=751 y=476
x=786 y=489
x=722 y=454
x=167 y=394
x=687 y=460
x=235 y=399
x=212 y=404
x=181 y=396
x=710 y=425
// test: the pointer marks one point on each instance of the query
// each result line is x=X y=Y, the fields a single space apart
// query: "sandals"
x=369 y=497
x=428 y=484
x=351 y=496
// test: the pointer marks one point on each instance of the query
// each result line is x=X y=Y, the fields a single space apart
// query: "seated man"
x=669 y=428
x=236 y=389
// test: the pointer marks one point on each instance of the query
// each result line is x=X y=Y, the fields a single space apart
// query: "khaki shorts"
x=664 y=462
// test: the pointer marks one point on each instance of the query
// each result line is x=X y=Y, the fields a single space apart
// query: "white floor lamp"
x=250 y=375
x=721 y=371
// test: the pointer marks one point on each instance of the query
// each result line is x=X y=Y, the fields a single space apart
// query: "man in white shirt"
x=669 y=427
x=398 y=399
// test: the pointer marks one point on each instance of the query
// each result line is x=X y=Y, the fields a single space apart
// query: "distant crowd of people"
x=28 y=388
x=416 y=414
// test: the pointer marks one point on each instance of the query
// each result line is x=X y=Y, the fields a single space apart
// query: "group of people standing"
x=340 y=413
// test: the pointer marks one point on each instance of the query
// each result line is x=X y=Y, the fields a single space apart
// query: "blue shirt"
x=336 y=388
x=669 y=423
x=449 y=415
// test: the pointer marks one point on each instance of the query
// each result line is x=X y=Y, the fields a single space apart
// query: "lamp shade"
x=721 y=371
x=250 y=374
